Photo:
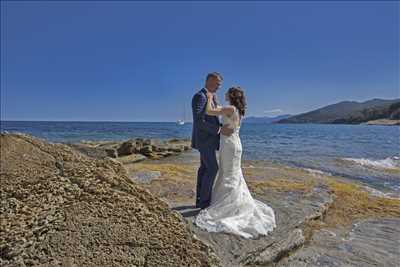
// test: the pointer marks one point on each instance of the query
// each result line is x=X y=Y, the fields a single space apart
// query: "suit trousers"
x=206 y=176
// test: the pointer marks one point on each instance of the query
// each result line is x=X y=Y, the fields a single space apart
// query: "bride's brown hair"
x=237 y=99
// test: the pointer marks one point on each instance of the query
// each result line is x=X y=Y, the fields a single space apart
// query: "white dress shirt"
x=213 y=105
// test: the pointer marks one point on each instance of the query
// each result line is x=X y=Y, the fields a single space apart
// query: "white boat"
x=182 y=121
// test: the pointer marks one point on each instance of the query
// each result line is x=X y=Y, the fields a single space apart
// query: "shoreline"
x=139 y=149
x=385 y=122
x=192 y=157
x=136 y=149
x=252 y=168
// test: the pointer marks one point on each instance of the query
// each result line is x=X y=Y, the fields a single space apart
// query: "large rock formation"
x=61 y=207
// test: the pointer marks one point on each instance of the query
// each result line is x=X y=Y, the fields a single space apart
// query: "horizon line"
x=89 y=121
x=155 y=121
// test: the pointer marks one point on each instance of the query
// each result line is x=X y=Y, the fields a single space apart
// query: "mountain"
x=253 y=119
x=350 y=112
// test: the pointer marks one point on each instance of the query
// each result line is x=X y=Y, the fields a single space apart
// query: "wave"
x=378 y=193
x=388 y=163
x=317 y=172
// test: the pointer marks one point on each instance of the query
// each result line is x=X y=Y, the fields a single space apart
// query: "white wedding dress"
x=232 y=208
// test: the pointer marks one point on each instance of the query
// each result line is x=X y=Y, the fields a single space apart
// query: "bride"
x=232 y=208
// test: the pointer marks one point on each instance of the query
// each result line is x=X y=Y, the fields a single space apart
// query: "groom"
x=205 y=138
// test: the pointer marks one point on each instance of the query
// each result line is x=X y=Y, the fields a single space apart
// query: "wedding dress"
x=232 y=208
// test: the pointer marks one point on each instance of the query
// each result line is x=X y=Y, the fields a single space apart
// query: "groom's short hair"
x=214 y=75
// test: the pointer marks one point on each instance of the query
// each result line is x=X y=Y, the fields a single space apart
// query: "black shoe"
x=203 y=206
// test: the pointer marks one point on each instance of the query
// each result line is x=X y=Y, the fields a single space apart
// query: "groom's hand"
x=225 y=130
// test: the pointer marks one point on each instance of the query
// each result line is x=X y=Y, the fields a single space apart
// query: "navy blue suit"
x=205 y=138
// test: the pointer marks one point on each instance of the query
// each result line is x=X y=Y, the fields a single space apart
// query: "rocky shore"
x=132 y=150
x=130 y=203
x=60 y=207
x=322 y=220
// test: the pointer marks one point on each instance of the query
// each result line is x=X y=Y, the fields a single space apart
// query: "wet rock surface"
x=60 y=207
x=371 y=242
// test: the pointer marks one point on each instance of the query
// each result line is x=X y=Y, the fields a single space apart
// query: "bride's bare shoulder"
x=228 y=110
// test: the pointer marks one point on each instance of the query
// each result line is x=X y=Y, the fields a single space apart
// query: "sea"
x=369 y=154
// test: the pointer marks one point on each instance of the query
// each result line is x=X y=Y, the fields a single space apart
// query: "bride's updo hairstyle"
x=237 y=99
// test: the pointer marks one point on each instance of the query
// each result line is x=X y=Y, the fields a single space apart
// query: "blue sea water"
x=367 y=153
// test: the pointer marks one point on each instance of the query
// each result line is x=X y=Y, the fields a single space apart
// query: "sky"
x=143 y=61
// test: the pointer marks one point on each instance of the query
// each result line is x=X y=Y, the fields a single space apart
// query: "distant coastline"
x=384 y=122
x=371 y=112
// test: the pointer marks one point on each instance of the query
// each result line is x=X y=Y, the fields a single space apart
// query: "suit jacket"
x=205 y=128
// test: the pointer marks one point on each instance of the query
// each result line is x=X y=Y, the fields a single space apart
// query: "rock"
x=293 y=211
x=145 y=177
x=177 y=148
x=147 y=142
x=370 y=242
x=181 y=141
x=127 y=148
x=277 y=250
x=91 y=151
x=59 y=206
x=165 y=154
x=151 y=148
x=94 y=150
x=146 y=150
x=131 y=158
x=306 y=205
x=161 y=148
x=111 y=152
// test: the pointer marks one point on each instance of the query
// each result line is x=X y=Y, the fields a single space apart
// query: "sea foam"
x=387 y=163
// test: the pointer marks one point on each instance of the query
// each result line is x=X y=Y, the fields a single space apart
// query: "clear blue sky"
x=133 y=61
